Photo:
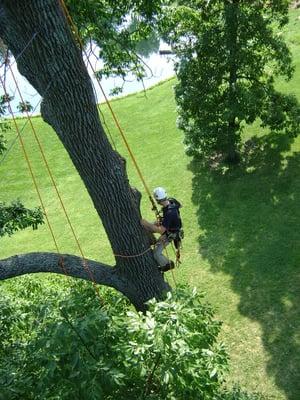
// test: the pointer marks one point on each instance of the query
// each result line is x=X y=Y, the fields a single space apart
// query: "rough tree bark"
x=53 y=65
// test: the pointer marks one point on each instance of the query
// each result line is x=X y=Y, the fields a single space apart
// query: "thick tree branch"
x=54 y=66
x=68 y=264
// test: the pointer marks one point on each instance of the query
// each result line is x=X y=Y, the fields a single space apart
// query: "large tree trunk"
x=53 y=65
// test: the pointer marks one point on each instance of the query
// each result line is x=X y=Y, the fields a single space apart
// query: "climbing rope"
x=176 y=252
x=134 y=255
x=172 y=272
x=23 y=127
x=107 y=129
x=75 y=32
x=30 y=167
x=61 y=258
x=29 y=119
x=19 y=136
x=19 y=55
x=154 y=207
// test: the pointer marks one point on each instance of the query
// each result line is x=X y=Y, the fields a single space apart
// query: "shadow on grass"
x=250 y=218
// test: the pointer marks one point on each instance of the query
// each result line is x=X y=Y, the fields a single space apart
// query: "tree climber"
x=169 y=227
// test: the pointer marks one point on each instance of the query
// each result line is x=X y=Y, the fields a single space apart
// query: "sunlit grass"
x=242 y=229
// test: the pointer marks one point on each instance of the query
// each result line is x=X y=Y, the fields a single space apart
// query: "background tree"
x=229 y=54
x=53 y=58
x=123 y=31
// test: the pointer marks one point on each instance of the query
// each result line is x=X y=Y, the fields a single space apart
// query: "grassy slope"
x=242 y=237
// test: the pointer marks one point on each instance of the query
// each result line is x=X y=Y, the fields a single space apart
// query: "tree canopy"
x=229 y=55
x=123 y=32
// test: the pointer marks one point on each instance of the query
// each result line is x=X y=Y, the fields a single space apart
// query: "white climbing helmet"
x=159 y=194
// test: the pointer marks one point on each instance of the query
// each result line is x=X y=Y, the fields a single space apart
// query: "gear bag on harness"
x=174 y=230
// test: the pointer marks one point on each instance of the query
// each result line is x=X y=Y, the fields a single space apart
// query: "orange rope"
x=77 y=36
x=30 y=169
x=177 y=254
x=61 y=259
x=102 y=115
x=107 y=129
x=133 y=256
x=173 y=275
x=85 y=264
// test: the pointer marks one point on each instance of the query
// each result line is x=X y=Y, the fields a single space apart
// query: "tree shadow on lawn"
x=250 y=219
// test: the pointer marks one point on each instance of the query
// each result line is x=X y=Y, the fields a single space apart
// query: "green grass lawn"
x=242 y=245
